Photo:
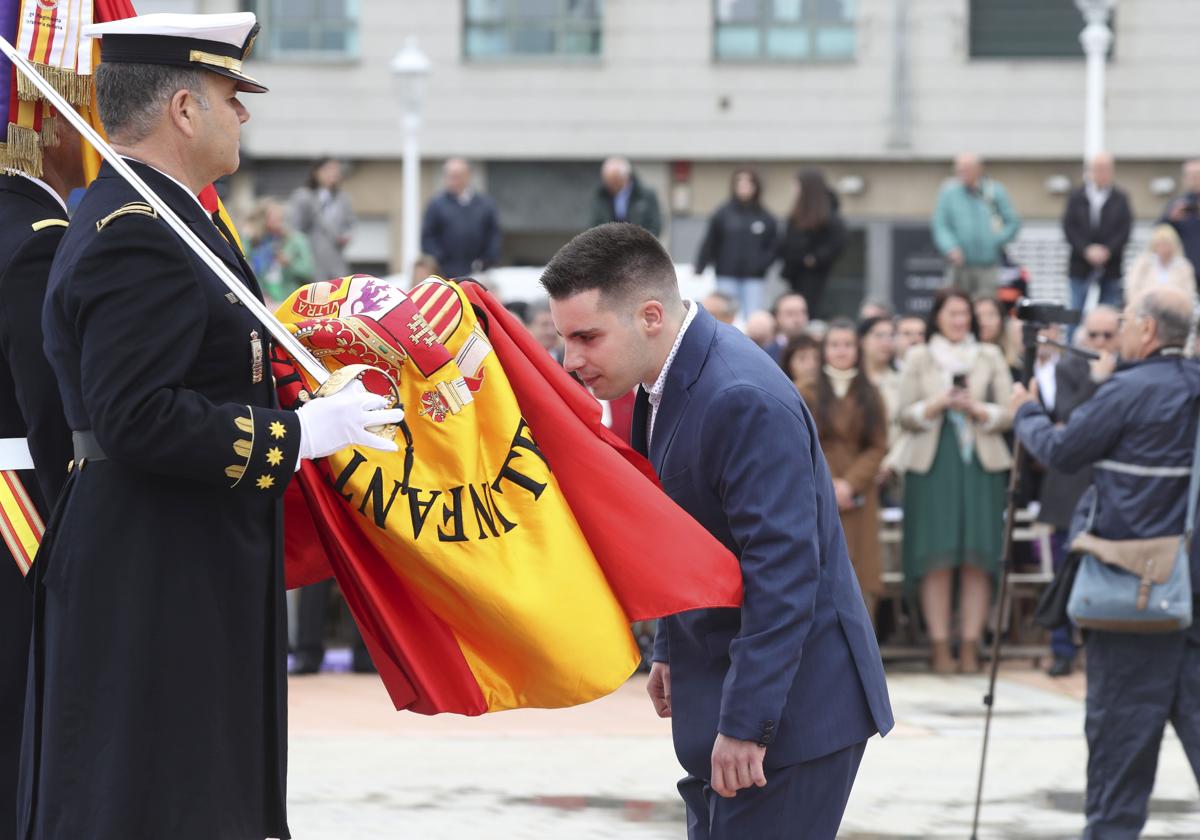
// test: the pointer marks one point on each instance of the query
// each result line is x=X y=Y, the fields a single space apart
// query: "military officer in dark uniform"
x=33 y=218
x=158 y=697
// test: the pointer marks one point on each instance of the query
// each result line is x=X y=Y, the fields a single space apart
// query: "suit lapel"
x=689 y=360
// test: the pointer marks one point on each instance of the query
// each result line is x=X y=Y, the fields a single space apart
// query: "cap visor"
x=245 y=83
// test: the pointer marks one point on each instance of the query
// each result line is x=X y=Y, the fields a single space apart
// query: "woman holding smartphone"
x=954 y=393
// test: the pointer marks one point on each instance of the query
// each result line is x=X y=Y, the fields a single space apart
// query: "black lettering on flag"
x=418 y=510
x=504 y=523
x=374 y=491
x=483 y=513
x=522 y=440
x=452 y=510
x=340 y=484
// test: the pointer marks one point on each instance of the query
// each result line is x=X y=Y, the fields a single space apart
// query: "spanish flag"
x=501 y=565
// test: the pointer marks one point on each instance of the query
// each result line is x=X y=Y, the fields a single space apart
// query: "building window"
x=306 y=29
x=784 y=30
x=1025 y=29
x=498 y=29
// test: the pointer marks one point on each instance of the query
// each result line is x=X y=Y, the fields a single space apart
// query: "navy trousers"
x=1135 y=684
x=801 y=802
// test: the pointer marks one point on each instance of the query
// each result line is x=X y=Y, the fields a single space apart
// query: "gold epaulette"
x=46 y=223
x=140 y=207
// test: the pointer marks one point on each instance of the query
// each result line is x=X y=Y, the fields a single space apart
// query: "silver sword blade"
x=267 y=318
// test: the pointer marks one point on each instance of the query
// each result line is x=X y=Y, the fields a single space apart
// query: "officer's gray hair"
x=132 y=96
x=1170 y=312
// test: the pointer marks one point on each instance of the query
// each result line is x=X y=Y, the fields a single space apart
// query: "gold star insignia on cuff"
x=265 y=482
x=274 y=456
x=278 y=430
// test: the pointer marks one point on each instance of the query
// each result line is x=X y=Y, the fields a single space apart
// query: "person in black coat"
x=740 y=243
x=1096 y=221
x=157 y=699
x=1183 y=212
x=462 y=227
x=33 y=218
x=814 y=239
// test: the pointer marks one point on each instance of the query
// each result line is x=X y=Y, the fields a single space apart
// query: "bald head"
x=1101 y=169
x=615 y=173
x=1191 y=176
x=456 y=174
x=760 y=327
x=968 y=168
x=1101 y=327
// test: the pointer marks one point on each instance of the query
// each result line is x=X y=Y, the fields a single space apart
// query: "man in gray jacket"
x=1137 y=433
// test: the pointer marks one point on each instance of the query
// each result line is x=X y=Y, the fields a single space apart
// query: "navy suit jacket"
x=797 y=667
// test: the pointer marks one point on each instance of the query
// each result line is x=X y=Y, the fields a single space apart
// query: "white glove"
x=332 y=423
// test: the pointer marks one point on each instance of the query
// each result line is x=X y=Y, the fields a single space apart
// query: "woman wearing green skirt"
x=954 y=393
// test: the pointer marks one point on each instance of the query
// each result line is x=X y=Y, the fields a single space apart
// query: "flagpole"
x=260 y=311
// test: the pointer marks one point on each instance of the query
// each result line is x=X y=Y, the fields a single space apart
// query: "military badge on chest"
x=256 y=358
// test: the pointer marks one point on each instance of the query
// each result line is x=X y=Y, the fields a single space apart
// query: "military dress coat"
x=32 y=223
x=158 y=701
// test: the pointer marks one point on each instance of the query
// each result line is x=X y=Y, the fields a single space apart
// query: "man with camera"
x=1183 y=212
x=1137 y=433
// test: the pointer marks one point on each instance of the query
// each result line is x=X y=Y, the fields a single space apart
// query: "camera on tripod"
x=1045 y=312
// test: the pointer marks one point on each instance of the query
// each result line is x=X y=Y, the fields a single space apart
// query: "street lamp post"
x=410 y=68
x=1096 y=38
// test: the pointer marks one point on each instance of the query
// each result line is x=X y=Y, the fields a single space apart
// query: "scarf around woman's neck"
x=840 y=379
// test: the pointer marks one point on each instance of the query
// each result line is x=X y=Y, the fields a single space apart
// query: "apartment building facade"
x=880 y=94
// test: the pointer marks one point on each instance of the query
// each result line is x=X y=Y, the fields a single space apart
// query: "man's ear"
x=650 y=317
x=182 y=111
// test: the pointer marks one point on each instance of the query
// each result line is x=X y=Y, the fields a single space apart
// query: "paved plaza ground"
x=361 y=771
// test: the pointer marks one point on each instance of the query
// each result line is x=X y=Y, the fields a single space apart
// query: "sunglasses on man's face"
x=1106 y=336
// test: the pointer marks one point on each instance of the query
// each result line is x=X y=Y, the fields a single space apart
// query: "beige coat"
x=988 y=381
x=1143 y=275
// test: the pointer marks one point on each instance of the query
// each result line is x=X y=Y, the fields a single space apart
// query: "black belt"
x=87 y=448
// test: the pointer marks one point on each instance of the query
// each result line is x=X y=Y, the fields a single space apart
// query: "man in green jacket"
x=972 y=223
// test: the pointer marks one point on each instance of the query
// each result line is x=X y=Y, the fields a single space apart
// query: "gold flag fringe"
x=22 y=152
x=49 y=132
x=75 y=88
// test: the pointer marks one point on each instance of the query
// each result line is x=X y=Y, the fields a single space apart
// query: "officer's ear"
x=183 y=110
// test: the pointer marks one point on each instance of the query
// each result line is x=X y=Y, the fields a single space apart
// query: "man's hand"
x=1096 y=254
x=1020 y=396
x=659 y=688
x=1103 y=367
x=736 y=765
x=955 y=256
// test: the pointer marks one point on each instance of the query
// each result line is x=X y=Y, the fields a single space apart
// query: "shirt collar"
x=182 y=186
x=656 y=390
x=57 y=198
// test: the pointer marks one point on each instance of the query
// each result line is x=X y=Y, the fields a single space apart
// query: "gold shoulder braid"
x=139 y=207
x=48 y=223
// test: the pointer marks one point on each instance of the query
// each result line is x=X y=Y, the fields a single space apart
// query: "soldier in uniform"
x=158 y=694
x=33 y=218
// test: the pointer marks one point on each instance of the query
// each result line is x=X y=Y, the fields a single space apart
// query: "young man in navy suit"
x=771 y=704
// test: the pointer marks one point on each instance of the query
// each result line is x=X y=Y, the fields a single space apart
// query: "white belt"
x=14 y=454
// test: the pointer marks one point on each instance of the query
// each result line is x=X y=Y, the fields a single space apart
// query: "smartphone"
x=959 y=381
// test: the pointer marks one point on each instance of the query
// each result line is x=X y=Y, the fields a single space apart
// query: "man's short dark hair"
x=131 y=96
x=624 y=261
